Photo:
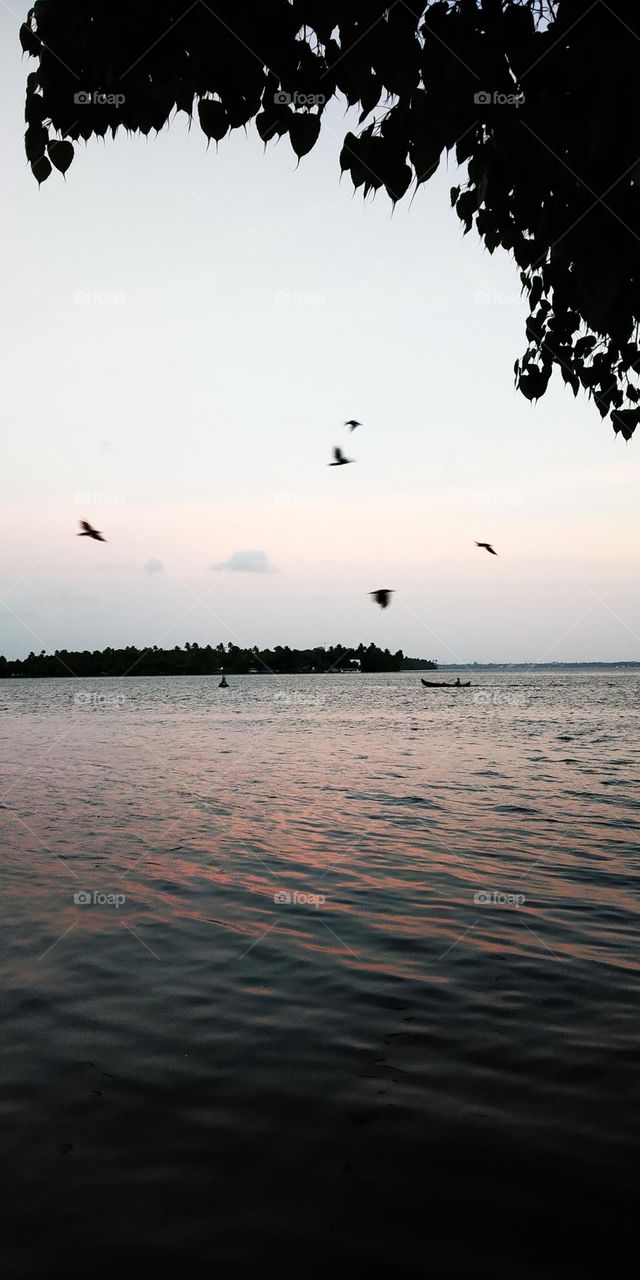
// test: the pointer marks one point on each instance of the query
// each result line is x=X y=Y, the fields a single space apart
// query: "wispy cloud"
x=246 y=562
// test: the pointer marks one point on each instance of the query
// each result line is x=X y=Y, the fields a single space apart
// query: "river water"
x=320 y=967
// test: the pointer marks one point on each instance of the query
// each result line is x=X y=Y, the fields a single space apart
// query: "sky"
x=185 y=332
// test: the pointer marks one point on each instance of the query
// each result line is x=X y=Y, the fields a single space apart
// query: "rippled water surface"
x=358 y=976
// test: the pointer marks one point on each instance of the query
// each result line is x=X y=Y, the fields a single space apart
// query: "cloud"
x=153 y=566
x=246 y=562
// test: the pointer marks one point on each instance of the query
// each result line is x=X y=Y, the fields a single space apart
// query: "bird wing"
x=84 y=524
x=337 y=453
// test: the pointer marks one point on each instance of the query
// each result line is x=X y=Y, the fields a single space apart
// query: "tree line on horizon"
x=204 y=660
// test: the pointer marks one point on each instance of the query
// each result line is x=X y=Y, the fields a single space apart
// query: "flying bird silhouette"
x=89 y=532
x=486 y=546
x=382 y=596
x=351 y=423
x=340 y=460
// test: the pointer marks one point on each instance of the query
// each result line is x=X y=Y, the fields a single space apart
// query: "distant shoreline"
x=205 y=660
x=336 y=671
x=536 y=666
x=234 y=660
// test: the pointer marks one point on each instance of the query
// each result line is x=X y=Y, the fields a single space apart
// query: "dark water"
x=288 y=1030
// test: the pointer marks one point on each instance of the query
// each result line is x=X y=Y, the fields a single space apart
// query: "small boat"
x=444 y=684
x=223 y=683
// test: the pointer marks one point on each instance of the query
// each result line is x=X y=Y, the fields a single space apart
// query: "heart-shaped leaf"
x=60 y=154
x=304 y=129
x=41 y=169
x=35 y=142
x=213 y=118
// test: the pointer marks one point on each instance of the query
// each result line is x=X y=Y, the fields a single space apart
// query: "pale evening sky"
x=184 y=334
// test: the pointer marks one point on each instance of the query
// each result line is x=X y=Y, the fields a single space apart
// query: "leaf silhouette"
x=213 y=117
x=41 y=169
x=304 y=129
x=35 y=142
x=29 y=41
x=60 y=154
x=625 y=421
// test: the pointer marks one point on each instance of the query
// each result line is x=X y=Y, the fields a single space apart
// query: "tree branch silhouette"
x=536 y=99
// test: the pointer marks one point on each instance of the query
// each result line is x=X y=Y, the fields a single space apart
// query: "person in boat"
x=223 y=683
x=458 y=680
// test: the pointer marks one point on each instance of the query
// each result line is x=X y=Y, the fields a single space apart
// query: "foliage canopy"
x=537 y=99
x=205 y=660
